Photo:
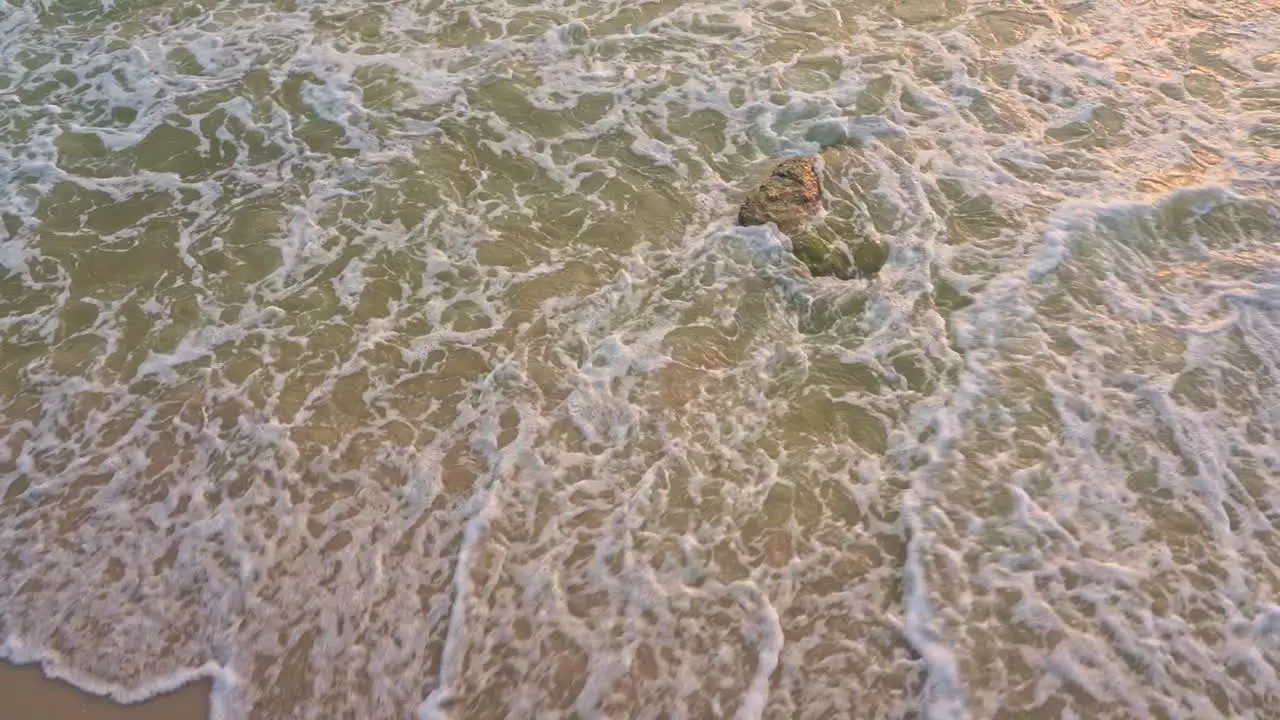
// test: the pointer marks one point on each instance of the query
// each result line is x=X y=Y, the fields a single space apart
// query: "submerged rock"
x=869 y=256
x=827 y=256
x=790 y=198
x=824 y=256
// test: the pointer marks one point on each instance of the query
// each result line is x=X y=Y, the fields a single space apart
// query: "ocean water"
x=401 y=359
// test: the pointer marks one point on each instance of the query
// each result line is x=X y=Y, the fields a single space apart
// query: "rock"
x=792 y=196
x=823 y=256
x=869 y=256
x=788 y=198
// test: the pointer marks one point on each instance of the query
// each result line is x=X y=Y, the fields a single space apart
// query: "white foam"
x=456 y=639
x=770 y=642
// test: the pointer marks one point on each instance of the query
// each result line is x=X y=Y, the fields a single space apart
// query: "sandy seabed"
x=29 y=695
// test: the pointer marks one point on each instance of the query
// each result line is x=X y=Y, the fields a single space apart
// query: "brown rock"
x=789 y=197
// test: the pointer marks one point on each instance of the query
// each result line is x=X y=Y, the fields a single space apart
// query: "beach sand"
x=29 y=695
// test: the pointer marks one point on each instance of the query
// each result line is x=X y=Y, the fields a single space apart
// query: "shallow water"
x=401 y=359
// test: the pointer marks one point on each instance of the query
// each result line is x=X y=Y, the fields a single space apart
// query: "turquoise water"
x=402 y=359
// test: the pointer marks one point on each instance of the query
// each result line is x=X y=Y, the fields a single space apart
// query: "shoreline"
x=29 y=693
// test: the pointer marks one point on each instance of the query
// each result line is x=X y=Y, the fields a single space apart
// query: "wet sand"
x=29 y=695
